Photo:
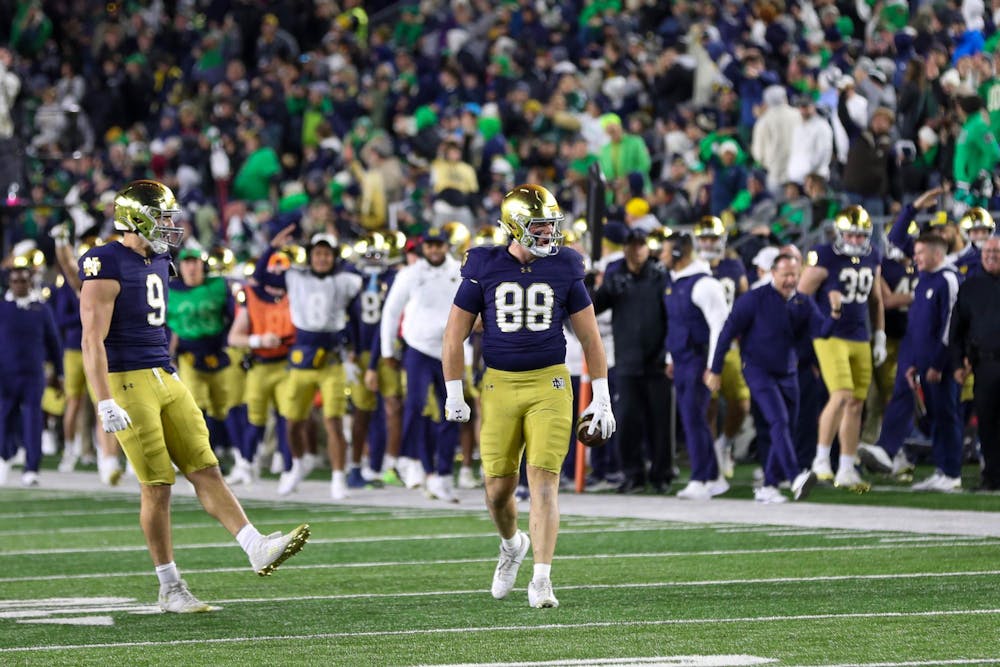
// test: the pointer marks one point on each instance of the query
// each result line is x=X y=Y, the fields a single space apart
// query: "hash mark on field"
x=493 y=629
x=657 y=661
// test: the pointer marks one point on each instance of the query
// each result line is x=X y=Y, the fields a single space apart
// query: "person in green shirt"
x=199 y=313
x=623 y=155
x=255 y=179
x=976 y=155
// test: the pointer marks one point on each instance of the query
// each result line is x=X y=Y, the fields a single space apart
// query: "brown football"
x=589 y=439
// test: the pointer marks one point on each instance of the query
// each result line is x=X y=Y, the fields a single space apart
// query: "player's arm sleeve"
x=899 y=233
x=946 y=304
x=392 y=312
x=261 y=266
x=578 y=297
x=469 y=296
x=710 y=297
x=735 y=325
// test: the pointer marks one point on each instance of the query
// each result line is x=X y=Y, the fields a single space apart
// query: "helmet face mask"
x=977 y=225
x=531 y=216
x=710 y=234
x=147 y=208
x=849 y=224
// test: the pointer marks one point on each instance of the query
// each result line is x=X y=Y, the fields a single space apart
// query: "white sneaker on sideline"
x=370 y=475
x=506 y=573
x=4 y=471
x=758 y=477
x=415 y=476
x=803 y=484
x=68 y=461
x=274 y=549
x=540 y=595
x=440 y=487
x=242 y=473
x=177 y=599
x=718 y=486
x=724 y=456
x=769 y=495
x=695 y=491
x=308 y=464
x=18 y=460
x=289 y=481
x=821 y=466
x=466 y=478
x=874 y=458
x=939 y=482
x=29 y=478
x=49 y=447
x=338 y=485
x=849 y=479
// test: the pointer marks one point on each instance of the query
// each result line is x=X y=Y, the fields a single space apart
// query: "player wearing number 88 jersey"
x=523 y=292
x=850 y=267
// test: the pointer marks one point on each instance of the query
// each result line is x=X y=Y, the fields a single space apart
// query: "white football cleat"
x=540 y=595
x=338 y=485
x=769 y=495
x=874 y=458
x=718 y=486
x=277 y=463
x=274 y=549
x=308 y=464
x=29 y=478
x=506 y=573
x=466 y=478
x=242 y=473
x=902 y=465
x=175 y=598
x=49 y=447
x=439 y=486
x=724 y=456
x=68 y=461
x=289 y=481
x=821 y=466
x=849 y=479
x=695 y=491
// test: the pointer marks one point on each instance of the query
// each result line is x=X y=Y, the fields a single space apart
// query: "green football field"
x=410 y=586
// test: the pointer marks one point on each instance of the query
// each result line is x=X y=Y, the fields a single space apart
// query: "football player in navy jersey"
x=524 y=291
x=849 y=266
x=975 y=226
x=123 y=306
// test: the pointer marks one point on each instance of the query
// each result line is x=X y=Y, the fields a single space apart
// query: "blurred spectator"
x=811 y=150
x=623 y=155
x=773 y=135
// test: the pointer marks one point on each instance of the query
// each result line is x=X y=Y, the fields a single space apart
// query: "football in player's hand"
x=589 y=439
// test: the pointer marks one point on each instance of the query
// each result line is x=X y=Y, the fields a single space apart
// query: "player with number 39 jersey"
x=848 y=266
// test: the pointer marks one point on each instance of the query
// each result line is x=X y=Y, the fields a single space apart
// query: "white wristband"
x=600 y=388
x=453 y=388
x=255 y=341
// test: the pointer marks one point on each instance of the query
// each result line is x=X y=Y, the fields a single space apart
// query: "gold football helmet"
x=529 y=206
x=221 y=261
x=489 y=235
x=26 y=255
x=459 y=237
x=977 y=225
x=710 y=234
x=147 y=209
x=376 y=250
x=852 y=220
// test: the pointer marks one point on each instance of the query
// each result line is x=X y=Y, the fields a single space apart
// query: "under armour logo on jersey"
x=525 y=269
x=558 y=383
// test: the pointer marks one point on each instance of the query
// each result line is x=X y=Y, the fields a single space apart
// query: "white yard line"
x=493 y=629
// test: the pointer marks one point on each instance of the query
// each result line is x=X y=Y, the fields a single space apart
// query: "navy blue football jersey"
x=854 y=278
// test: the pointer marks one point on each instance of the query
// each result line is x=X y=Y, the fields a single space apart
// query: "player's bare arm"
x=97 y=305
x=811 y=279
x=460 y=323
x=585 y=326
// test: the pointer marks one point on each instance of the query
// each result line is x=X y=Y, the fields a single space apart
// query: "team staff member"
x=28 y=332
x=123 y=308
x=423 y=292
x=975 y=347
x=769 y=320
x=523 y=292
x=924 y=359
x=696 y=310
x=633 y=289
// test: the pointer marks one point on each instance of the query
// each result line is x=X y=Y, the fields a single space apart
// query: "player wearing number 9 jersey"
x=850 y=267
x=123 y=306
x=523 y=292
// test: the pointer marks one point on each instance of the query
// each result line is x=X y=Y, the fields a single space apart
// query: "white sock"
x=846 y=462
x=248 y=537
x=542 y=571
x=296 y=466
x=513 y=544
x=823 y=452
x=167 y=573
x=338 y=477
x=388 y=462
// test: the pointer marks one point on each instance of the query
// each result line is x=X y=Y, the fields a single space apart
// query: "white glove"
x=600 y=407
x=455 y=407
x=113 y=416
x=352 y=373
x=879 y=352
